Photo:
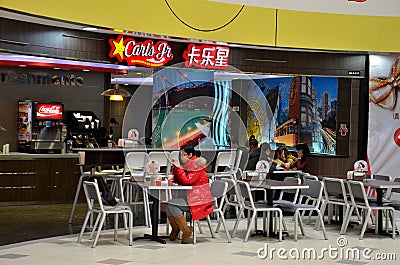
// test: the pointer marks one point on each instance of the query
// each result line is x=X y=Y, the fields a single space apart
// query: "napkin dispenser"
x=356 y=175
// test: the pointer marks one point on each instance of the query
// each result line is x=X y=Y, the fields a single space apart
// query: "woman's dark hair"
x=189 y=150
x=304 y=157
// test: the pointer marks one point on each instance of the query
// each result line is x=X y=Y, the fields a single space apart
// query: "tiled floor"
x=64 y=249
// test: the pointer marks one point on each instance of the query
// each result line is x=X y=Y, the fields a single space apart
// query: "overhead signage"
x=49 y=111
x=153 y=54
x=40 y=79
x=206 y=56
x=147 y=53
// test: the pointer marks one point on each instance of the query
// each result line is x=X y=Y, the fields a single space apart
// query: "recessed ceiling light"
x=56 y=68
x=86 y=70
x=138 y=73
x=22 y=65
x=89 y=28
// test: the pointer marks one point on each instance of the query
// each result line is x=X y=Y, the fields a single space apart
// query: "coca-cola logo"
x=49 y=111
x=146 y=53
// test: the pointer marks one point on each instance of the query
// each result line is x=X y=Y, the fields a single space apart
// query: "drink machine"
x=40 y=127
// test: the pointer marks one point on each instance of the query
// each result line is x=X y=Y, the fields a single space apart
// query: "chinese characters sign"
x=146 y=53
x=206 y=56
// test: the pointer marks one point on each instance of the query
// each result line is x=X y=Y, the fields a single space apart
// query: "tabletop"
x=152 y=186
x=380 y=184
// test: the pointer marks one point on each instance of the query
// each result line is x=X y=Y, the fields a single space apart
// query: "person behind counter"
x=254 y=153
x=198 y=200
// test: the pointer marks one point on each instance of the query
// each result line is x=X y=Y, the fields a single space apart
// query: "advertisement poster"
x=384 y=115
x=182 y=107
x=303 y=110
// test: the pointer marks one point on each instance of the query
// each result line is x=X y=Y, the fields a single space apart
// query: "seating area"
x=65 y=250
x=308 y=203
x=305 y=200
x=233 y=239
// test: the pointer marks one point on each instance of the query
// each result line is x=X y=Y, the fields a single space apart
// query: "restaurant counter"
x=38 y=177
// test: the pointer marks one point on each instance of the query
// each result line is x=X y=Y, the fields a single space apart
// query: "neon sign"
x=146 y=53
x=206 y=56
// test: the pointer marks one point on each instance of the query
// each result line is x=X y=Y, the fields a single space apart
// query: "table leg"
x=154 y=224
x=379 y=221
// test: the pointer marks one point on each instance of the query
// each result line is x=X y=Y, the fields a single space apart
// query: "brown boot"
x=186 y=230
x=175 y=229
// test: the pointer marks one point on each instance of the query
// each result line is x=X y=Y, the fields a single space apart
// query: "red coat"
x=199 y=197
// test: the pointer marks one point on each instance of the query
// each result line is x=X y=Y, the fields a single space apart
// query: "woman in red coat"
x=198 y=200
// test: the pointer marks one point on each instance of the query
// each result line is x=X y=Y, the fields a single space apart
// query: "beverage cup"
x=158 y=182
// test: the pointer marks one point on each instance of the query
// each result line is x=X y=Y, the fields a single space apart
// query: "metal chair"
x=95 y=205
x=218 y=191
x=291 y=193
x=371 y=194
x=360 y=201
x=244 y=157
x=395 y=203
x=136 y=163
x=335 y=195
x=309 y=200
x=226 y=160
x=231 y=199
x=84 y=175
x=247 y=203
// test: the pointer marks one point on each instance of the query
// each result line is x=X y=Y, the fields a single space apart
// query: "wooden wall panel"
x=52 y=180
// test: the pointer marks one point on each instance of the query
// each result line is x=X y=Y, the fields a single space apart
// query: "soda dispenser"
x=40 y=127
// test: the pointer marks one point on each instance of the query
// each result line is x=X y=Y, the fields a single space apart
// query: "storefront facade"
x=351 y=69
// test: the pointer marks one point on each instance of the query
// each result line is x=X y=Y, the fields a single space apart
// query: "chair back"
x=218 y=190
x=226 y=160
x=174 y=155
x=315 y=190
x=396 y=190
x=81 y=157
x=232 y=187
x=136 y=162
x=357 y=193
x=291 y=180
x=308 y=176
x=162 y=158
x=334 y=187
x=92 y=194
x=236 y=163
x=382 y=177
x=243 y=158
x=245 y=193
